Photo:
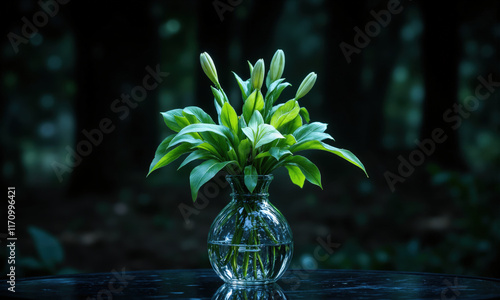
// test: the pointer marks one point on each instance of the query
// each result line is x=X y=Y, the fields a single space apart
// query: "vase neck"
x=240 y=190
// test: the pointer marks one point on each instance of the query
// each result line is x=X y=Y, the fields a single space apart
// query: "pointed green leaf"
x=250 y=177
x=267 y=134
x=250 y=66
x=254 y=102
x=279 y=89
x=313 y=131
x=309 y=169
x=241 y=124
x=203 y=173
x=202 y=127
x=256 y=119
x=244 y=86
x=263 y=154
x=296 y=175
x=317 y=145
x=218 y=97
x=272 y=87
x=182 y=121
x=278 y=152
x=287 y=141
x=169 y=157
x=197 y=154
x=187 y=138
x=285 y=114
x=169 y=119
x=305 y=114
x=161 y=150
x=264 y=134
x=293 y=125
x=244 y=149
x=229 y=118
x=210 y=148
x=199 y=114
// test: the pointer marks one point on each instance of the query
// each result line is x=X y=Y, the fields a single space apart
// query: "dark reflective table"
x=295 y=284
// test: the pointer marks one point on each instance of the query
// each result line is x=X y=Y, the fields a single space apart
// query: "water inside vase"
x=249 y=264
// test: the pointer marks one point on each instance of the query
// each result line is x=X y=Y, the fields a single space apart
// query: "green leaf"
x=210 y=148
x=197 y=112
x=183 y=121
x=250 y=66
x=161 y=150
x=293 y=125
x=254 y=102
x=264 y=134
x=169 y=157
x=244 y=149
x=271 y=88
x=309 y=169
x=197 y=154
x=287 y=141
x=278 y=152
x=244 y=86
x=202 y=127
x=47 y=246
x=203 y=173
x=187 y=138
x=169 y=119
x=229 y=118
x=305 y=114
x=285 y=114
x=231 y=154
x=317 y=145
x=241 y=124
x=256 y=119
x=313 y=131
x=250 y=177
x=218 y=96
x=263 y=154
x=296 y=175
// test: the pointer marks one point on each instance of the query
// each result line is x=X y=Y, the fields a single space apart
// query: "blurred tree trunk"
x=440 y=63
x=114 y=45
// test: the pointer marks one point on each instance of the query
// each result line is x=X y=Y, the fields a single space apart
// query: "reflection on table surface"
x=295 y=284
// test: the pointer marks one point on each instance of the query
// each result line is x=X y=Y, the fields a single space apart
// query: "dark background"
x=399 y=86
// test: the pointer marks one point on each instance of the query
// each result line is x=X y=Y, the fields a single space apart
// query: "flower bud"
x=207 y=64
x=306 y=85
x=277 y=65
x=257 y=78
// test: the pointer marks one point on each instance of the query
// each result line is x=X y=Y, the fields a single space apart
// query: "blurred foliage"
x=441 y=219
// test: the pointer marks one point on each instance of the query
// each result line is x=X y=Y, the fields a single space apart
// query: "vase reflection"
x=228 y=291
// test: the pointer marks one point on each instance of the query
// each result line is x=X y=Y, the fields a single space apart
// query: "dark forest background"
x=417 y=72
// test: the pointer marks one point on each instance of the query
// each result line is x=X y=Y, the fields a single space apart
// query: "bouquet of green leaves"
x=266 y=135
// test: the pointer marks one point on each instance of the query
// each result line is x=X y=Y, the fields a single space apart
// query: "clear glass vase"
x=250 y=242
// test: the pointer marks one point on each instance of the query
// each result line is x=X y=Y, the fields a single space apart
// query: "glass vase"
x=250 y=242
